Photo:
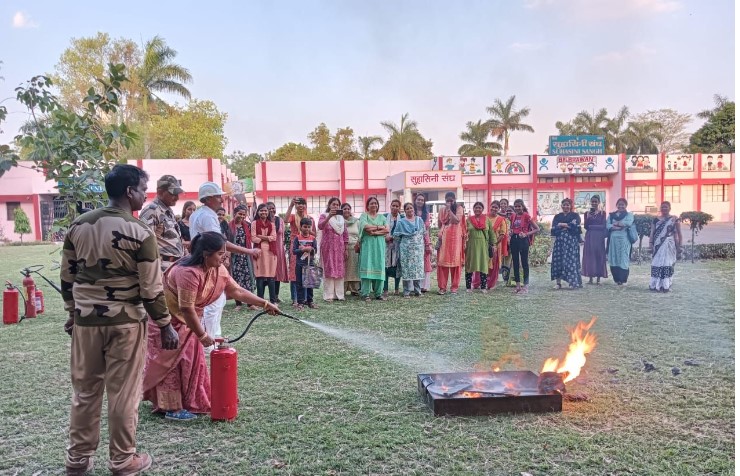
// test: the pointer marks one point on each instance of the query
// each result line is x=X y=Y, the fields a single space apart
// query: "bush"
x=540 y=251
x=697 y=220
x=22 y=225
x=702 y=252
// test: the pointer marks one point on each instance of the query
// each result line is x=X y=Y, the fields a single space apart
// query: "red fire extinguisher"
x=39 y=302
x=30 y=287
x=10 y=304
x=224 y=399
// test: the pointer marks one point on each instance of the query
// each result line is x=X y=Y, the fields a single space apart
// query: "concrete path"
x=720 y=232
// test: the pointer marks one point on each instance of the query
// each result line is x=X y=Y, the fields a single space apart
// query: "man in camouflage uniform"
x=111 y=279
x=161 y=219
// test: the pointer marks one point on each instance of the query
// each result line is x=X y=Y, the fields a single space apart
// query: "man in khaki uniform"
x=161 y=219
x=111 y=279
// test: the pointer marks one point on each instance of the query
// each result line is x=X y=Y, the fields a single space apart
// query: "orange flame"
x=582 y=343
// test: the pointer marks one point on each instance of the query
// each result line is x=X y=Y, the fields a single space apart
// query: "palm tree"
x=475 y=139
x=615 y=134
x=591 y=124
x=719 y=103
x=507 y=119
x=641 y=137
x=366 y=144
x=159 y=73
x=404 y=141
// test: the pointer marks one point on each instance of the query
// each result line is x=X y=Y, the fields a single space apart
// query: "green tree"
x=321 y=139
x=593 y=123
x=22 y=225
x=476 y=143
x=290 y=152
x=87 y=59
x=643 y=224
x=717 y=135
x=8 y=156
x=159 y=73
x=614 y=132
x=507 y=119
x=343 y=144
x=642 y=137
x=366 y=143
x=242 y=164
x=697 y=221
x=719 y=102
x=191 y=132
x=75 y=150
x=405 y=142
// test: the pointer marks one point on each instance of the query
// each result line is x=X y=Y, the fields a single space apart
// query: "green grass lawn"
x=315 y=404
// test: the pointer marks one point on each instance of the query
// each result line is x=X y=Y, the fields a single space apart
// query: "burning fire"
x=582 y=343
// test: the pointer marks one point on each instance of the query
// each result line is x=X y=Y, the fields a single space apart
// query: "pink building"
x=689 y=182
x=27 y=188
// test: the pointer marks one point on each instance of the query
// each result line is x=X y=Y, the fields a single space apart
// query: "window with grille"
x=641 y=194
x=552 y=179
x=716 y=193
x=672 y=193
x=472 y=196
x=281 y=203
x=590 y=178
x=10 y=208
x=513 y=194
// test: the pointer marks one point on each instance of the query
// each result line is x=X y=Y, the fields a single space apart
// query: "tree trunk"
x=693 y=235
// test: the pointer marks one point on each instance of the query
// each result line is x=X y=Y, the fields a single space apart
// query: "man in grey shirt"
x=205 y=219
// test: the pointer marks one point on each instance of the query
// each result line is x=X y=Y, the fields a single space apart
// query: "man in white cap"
x=205 y=219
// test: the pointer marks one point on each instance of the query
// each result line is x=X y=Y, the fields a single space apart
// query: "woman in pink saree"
x=177 y=381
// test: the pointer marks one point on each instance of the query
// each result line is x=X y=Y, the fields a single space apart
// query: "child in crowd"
x=304 y=250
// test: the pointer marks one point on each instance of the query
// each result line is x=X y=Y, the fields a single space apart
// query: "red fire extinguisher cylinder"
x=30 y=287
x=39 y=302
x=10 y=304
x=224 y=398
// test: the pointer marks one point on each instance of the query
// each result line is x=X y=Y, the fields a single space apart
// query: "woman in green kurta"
x=373 y=229
x=480 y=237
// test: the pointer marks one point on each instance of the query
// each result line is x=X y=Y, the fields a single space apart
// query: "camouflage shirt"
x=110 y=270
x=161 y=220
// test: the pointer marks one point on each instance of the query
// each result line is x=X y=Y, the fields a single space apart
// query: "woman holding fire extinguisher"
x=176 y=381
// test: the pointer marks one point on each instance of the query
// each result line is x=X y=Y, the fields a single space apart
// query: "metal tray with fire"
x=490 y=393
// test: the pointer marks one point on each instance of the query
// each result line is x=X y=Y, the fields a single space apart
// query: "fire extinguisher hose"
x=251 y=321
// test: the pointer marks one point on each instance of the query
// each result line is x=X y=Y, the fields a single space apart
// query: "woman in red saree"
x=177 y=381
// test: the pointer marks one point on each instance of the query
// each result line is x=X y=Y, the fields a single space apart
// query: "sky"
x=280 y=68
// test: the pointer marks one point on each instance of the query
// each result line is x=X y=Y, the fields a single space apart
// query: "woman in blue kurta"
x=410 y=232
x=620 y=246
x=566 y=252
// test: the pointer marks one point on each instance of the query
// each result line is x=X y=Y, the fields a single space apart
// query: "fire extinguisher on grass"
x=224 y=387
x=30 y=293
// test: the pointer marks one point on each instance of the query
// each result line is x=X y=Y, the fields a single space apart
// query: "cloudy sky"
x=280 y=68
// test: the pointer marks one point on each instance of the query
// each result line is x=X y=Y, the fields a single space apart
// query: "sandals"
x=312 y=305
x=558 y=286
x=180 y=415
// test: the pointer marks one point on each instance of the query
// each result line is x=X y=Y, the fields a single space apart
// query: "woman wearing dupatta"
x=352 y=255
x=420 y=210
x=242 y=268
x=480 y=235
x=620 y=246
x=372 y=251
x=410 y=233
x=177 y=381
x=281 y=271
x=264 y=236
x=453 y=233
x=500 y=248
x=333 y=249
x=566 y=259
x=506 y=213
x=594 y=248
x=665 y=240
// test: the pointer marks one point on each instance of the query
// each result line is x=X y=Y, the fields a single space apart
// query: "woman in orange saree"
x=177 y=381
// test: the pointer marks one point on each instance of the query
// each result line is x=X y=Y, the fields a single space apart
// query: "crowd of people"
x=180 y=272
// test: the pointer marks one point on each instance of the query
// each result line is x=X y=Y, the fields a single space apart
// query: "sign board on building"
x=641 y=163
x=511 y=165
x=576 y=145
x=679 y=163
x=434 y=179
x=577 y=164
x=466 y=165
x=716 y=163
